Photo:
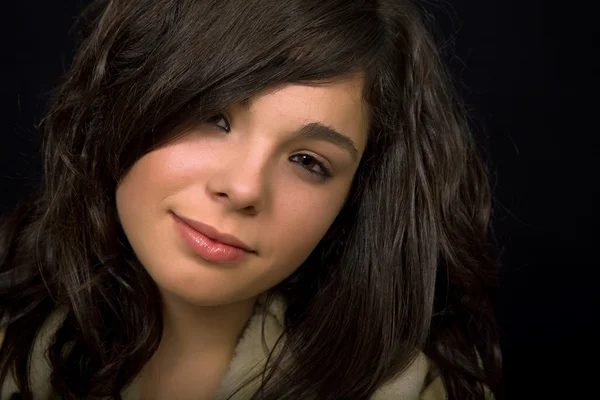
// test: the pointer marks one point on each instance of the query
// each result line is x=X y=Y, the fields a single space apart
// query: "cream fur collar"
x=250 y=357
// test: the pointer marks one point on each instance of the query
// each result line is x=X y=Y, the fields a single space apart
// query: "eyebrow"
x=318 y=131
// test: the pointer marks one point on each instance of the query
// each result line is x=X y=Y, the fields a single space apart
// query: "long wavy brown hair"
x=408 y=265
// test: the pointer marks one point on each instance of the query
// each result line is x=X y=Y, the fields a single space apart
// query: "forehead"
x=339 y=105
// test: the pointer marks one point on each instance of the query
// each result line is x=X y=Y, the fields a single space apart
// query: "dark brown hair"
x=407 y=266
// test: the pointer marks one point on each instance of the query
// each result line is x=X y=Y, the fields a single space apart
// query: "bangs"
x=156 y=68
x=232 y=53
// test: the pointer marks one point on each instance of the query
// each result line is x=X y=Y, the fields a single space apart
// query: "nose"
x=241 y=184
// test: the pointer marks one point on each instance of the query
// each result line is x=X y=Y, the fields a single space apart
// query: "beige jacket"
x=249 y=357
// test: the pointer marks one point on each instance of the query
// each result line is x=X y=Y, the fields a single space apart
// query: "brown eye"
x=312 y=165
x=220 y=121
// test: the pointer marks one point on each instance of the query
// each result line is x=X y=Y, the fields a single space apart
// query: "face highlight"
x=272 y=172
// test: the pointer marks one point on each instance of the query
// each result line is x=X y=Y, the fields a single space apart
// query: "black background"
x=528 y=70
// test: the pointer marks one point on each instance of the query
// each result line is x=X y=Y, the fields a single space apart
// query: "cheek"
x=139 y=196
x=154 y=177
x=301 y=222
x=136 y=191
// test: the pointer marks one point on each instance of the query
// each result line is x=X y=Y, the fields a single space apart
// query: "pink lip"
x=209 y=243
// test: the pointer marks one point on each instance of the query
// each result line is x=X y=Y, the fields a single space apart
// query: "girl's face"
x=269 y=175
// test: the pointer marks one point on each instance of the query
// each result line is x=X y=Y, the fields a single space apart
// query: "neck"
x=194 y=339
x=189 y=329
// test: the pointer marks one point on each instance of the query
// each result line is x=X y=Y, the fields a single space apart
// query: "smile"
x=210 y=244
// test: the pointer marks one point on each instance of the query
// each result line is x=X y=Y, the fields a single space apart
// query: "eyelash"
x=324 y=175
x=218 y=117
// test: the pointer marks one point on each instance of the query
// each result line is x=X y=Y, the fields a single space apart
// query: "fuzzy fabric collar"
x=250 y=357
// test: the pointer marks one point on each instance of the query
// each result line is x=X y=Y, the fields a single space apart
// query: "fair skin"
x=250 y=173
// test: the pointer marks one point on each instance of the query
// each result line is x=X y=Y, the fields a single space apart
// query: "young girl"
x=252 y=200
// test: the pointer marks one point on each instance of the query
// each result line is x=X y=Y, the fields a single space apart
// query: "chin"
x=201 y=288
